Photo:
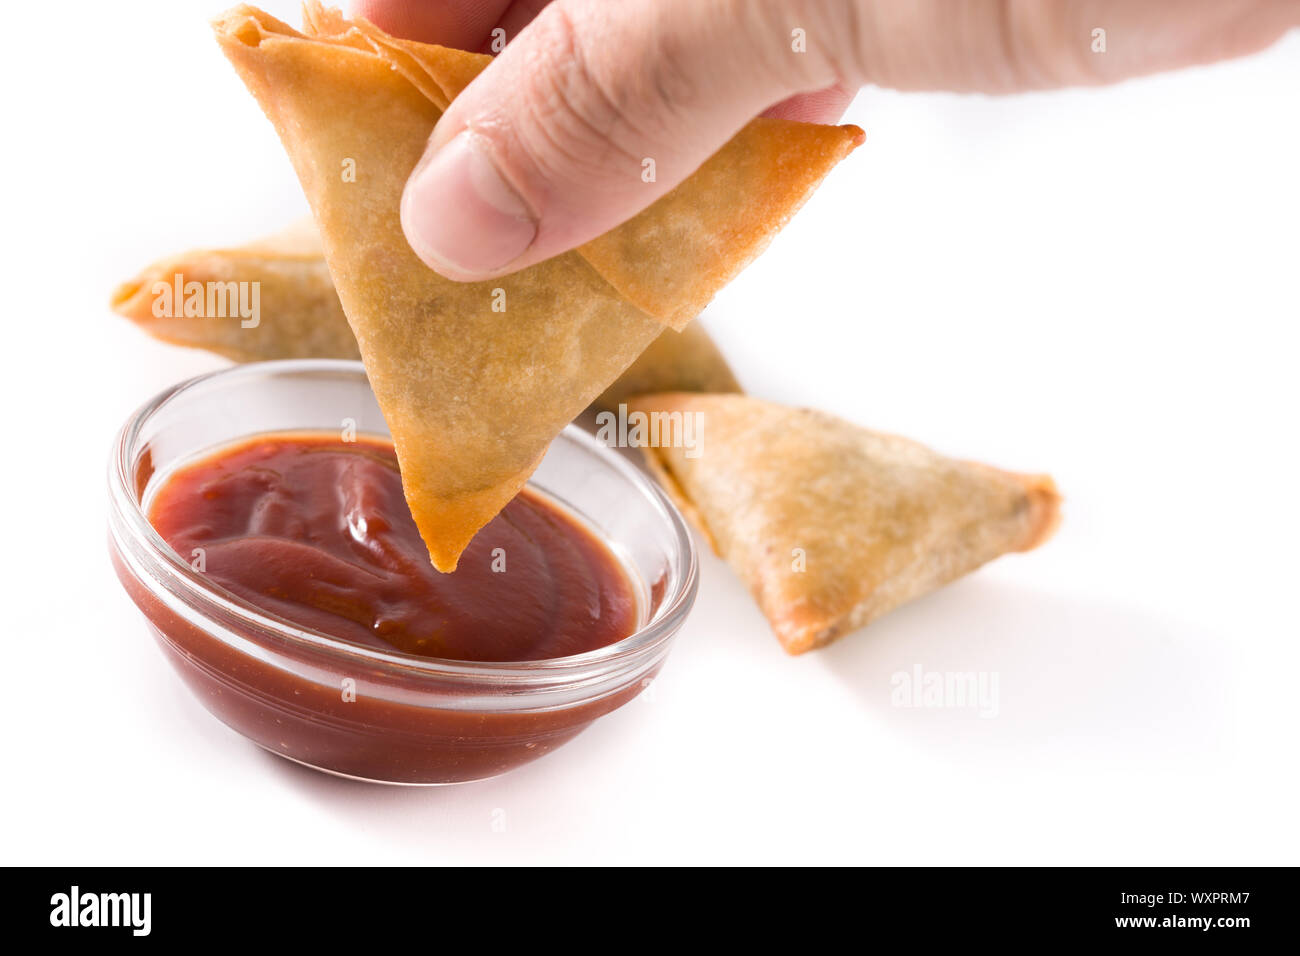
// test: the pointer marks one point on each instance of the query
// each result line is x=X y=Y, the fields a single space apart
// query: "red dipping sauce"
x=316 y=531
x=278 y=569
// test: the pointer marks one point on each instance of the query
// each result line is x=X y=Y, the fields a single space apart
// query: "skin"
x=545 y=150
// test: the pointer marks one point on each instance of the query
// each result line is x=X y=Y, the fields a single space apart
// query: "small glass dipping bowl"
x=375 y=715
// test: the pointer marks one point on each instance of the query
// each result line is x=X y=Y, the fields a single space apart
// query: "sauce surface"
x=317 y=531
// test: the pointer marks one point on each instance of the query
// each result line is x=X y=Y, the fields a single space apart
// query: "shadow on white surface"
x=1080 y=684
x=1064 y=678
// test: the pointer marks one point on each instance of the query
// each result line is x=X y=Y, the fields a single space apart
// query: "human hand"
x=546 y=148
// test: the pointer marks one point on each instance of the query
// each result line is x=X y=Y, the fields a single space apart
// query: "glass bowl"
x=369 y=714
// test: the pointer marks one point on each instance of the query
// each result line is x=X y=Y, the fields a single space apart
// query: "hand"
x=545 y=149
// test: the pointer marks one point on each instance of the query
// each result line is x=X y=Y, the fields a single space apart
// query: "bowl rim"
x=184 y=584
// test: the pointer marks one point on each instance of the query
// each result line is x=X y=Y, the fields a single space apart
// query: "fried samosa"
x=685 y=361
x=831 y=525
x=301 y=317
x=299 y=311
x=476 y=379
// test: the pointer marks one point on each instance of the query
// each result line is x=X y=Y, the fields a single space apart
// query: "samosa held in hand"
x=476 y=379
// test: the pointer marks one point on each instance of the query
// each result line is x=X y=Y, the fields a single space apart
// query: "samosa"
x=476 y=379
x=685 y=361
x=828 y=524
x=301 y=317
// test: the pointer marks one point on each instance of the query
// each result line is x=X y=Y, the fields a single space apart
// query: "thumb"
x=594 y=112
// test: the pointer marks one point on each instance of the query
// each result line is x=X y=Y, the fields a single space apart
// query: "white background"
x=1101 y=284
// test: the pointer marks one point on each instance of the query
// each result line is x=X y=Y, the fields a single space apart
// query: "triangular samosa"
x=829 y=524
x=685 y=361
x=476 y=379
x=301 y=317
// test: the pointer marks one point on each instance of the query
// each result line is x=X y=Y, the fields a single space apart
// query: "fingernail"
x=459 y=213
